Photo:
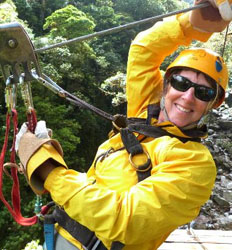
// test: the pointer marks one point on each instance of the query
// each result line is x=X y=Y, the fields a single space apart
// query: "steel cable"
x=121 y=27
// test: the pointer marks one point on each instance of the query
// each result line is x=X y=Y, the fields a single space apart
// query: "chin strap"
x=163 y=109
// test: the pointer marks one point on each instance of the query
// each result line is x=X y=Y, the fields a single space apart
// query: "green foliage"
x=14 y=236
x=57 y=114
x=73 y=62
x=33 y=245
x=35 y=12
x=139 y=9
x=69 y=22
x=8 y=12
x=112 y=49
x=116 y=87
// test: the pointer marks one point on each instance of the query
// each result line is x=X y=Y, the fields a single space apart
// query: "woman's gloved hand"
x=214 y=18
x=38 y=154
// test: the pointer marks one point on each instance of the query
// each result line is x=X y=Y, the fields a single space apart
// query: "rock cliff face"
x=217 y=212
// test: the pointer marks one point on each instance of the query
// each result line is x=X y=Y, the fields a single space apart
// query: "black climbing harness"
x=133 y=146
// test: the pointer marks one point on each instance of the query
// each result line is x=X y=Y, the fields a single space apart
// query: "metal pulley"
x=17 y=56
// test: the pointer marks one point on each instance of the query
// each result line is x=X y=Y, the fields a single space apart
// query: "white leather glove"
x=41 y=131
x=224 y=7
x=27 y=144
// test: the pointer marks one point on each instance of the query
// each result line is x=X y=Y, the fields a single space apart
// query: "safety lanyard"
x=12 y=116
x=15 y=209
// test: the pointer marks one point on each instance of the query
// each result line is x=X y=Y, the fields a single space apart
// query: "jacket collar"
x=153 y=111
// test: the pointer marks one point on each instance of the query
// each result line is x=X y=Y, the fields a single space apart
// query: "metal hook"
x=26 y=93
x=10 y=94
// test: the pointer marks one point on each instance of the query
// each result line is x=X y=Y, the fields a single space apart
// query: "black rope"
x=47 y=82
x=122 y=27
x=82 y=104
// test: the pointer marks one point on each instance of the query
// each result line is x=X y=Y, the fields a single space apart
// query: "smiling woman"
x=183 y=107
x=195 y=82
x=189 y=97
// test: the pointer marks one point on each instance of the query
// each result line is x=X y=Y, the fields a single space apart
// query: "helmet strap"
x=162 y=107
x=211 y=104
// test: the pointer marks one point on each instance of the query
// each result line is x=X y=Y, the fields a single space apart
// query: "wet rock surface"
x=217 y=212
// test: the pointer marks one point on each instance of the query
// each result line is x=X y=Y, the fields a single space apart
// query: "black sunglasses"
x=201 y=92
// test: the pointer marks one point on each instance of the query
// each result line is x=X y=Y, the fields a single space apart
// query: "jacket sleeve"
x=147 y=52
x=183 y=177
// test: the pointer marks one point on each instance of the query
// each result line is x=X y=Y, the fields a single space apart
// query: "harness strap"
x=15 y=209
x=156 y=132
x=32 y=120
x=117 y=245
x=78 y=231
x=81 y=233
x=134 y=147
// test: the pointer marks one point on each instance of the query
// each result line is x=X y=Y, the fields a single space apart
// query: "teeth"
x=183 y=109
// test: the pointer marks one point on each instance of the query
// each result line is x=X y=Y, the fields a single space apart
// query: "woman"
x=155 y=174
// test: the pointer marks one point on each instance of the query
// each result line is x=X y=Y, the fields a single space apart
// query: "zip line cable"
x=122 y=27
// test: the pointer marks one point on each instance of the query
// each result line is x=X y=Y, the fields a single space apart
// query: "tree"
x=76 y=71
x=69 y=22
x=115 y=86
x=35 y=12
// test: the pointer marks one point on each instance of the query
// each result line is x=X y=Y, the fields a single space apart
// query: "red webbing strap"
x=15 y=194
x=32 y=120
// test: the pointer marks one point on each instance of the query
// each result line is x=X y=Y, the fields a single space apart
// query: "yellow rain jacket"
x=108 y=198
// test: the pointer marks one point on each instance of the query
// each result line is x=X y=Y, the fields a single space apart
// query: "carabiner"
x=26 y=93
x=10 y=94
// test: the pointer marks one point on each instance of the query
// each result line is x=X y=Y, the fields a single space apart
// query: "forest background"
x=93 y=70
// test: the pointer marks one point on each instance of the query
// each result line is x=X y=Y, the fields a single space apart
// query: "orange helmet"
x=205 y=61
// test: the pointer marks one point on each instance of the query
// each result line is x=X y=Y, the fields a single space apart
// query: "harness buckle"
x=119 y=122
x=141 y=168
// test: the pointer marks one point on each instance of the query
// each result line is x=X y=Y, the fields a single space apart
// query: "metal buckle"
x=116 y=126
x=17 y=54
x=148 y=162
